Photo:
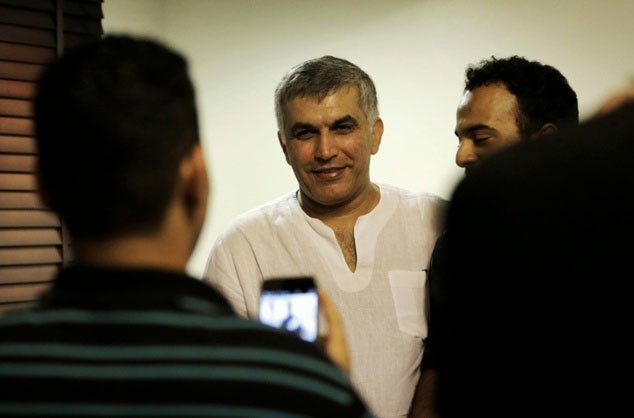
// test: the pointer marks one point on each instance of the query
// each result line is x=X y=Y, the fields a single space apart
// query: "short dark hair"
x=542 y=92
x=113 y=120
x=318 y=77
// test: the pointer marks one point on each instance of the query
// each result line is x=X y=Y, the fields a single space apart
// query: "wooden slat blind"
x=17 y=145
x=17 y=181
x=20 y=200
x=17 y=163
x=33 y=241
x=13 y=107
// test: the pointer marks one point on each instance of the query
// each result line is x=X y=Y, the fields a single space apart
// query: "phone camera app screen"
x=296 y=312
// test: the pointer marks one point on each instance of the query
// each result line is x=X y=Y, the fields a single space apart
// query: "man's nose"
x=466 y=155
x=326 y=146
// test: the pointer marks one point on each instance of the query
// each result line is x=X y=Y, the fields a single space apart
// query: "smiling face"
x=486 y=122
x=329 y=144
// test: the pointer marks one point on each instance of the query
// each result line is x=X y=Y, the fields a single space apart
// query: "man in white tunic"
x=368 y=245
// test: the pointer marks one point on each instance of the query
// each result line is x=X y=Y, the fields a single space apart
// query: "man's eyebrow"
x=474 y=128
x=346 y=119
x=301 y=125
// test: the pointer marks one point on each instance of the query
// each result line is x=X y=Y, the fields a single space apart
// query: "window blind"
x=33 y=240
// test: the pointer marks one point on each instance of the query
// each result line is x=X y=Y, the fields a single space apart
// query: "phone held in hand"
x=291 y=304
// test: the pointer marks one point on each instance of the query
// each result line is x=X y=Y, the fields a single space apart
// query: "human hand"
x=334 y=342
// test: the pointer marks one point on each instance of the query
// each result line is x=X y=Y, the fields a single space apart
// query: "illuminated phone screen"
x=294 y=309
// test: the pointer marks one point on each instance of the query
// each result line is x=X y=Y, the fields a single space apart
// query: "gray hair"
x=319 y=77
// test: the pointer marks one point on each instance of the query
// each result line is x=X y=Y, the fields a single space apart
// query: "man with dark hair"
x=124 y=331
x=367 y=244
x=539 y=290
x=509 y=100
x=505 y=102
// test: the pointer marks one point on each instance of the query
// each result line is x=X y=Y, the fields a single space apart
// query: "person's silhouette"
x=292 y=323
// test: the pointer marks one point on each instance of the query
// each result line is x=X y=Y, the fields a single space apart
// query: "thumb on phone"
x=334 y=342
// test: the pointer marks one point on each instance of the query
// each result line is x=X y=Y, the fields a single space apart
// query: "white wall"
x=415 y=51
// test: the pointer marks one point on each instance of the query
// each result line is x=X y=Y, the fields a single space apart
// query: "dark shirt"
x=539 y=287
x=436 y=291
x=107 y=342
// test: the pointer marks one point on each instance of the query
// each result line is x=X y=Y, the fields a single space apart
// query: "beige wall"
x=416 y=52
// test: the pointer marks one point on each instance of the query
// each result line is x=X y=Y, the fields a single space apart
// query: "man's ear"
x=280 y=138
x=195 y=183
x=377 y=134
x=546 y=129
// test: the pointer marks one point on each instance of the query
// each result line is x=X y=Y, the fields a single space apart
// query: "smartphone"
x=291 y=304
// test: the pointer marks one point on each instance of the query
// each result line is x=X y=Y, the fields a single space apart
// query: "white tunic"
x=382 y=304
